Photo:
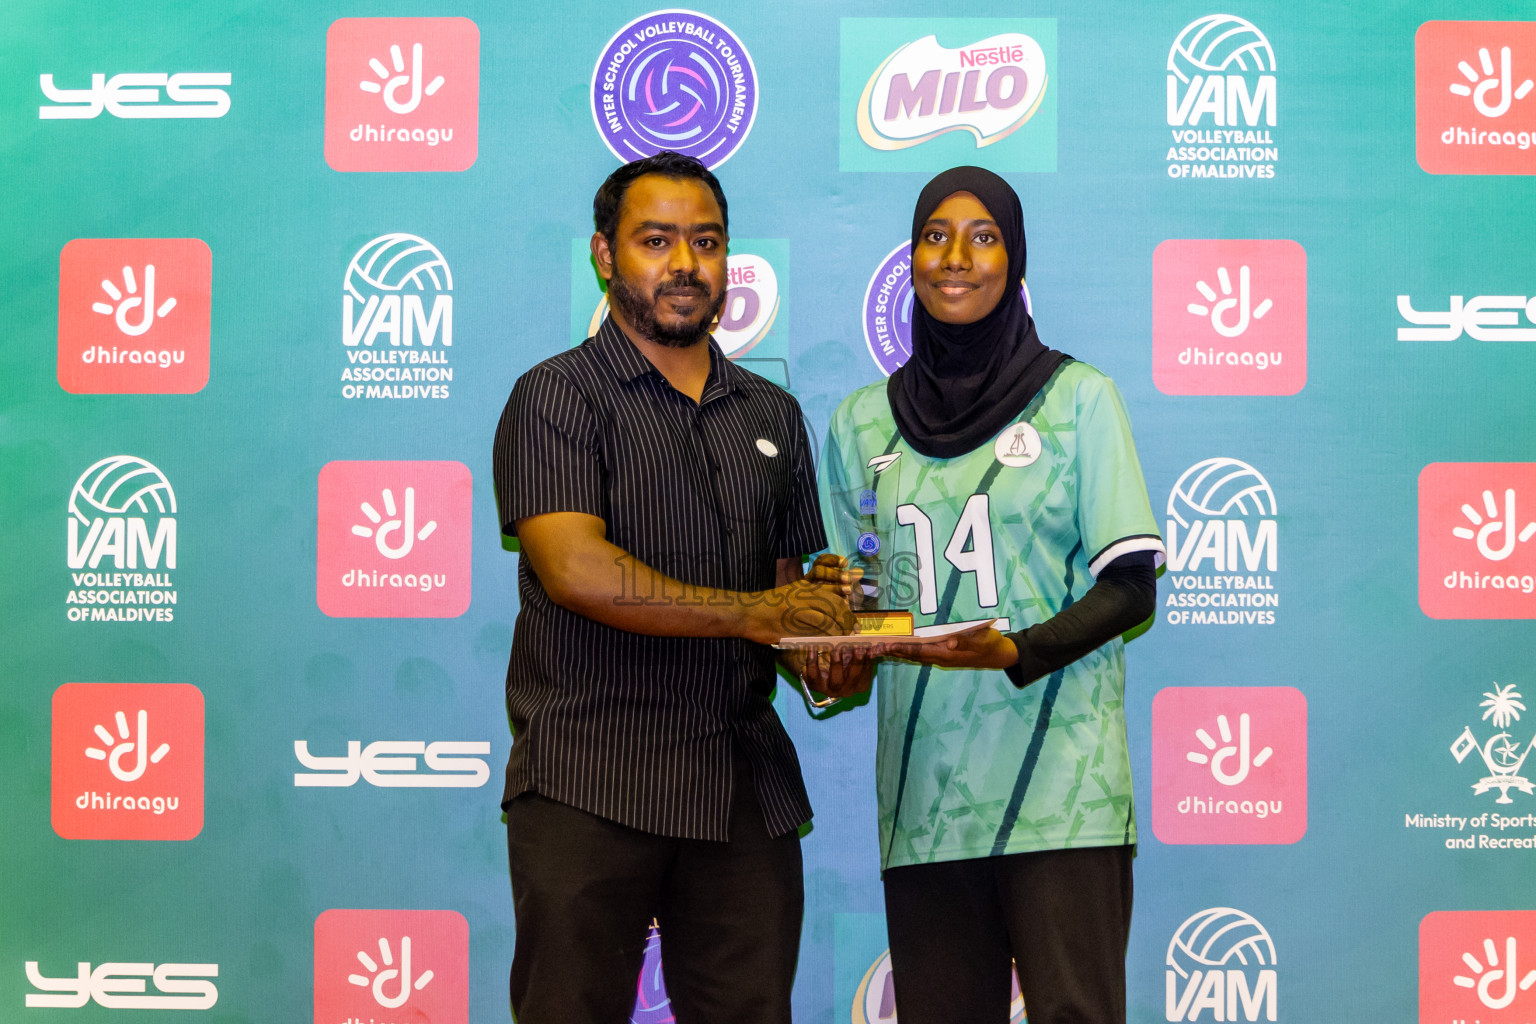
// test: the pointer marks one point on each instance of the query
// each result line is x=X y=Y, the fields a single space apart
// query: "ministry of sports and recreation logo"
x=121 y=543
x=919 y=94
x=397 y=320
x=1223 y=546
x=1482 y=318
x=1473 y=90
x=1477 y=965
x=138 y=95
x=391 y=965
x=134 y=315
x=124 y=986
x=1229 y=317
x=394 y=539
x=1221 y=100
x=1501 y=753
x=127 y=761
x=674 y=80
x=1229 y=764
x=888 y=304
x=392 y=764
x=1477 y=540
x=402 y=94
x=1221 y=960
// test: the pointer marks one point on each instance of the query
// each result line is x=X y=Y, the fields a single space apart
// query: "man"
x=662 y=498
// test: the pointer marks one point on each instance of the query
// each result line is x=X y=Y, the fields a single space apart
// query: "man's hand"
x=837 y=673
x=802 y=608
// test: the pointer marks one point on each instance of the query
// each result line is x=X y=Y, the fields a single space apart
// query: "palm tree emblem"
x=1501 y=754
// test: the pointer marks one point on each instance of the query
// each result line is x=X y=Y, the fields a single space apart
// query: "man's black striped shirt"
x=641 y=729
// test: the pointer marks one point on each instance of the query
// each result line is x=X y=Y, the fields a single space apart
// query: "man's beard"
x=641 y=314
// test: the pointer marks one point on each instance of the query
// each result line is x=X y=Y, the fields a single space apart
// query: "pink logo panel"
x=1477 y=540
x=402 y=94
x=1229 y=317
x=1475 y=92
x=127 y=761
x=1229 y=764
x=1477 y=966
x=134 y=315
x=391 y=966
x=394 y=540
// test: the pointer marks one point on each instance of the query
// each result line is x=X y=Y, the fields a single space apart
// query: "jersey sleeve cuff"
x=1126 y=545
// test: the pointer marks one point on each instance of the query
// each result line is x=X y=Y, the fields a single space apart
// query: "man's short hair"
x=605 y=205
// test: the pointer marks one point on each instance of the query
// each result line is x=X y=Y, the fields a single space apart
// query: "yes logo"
x=394 y=539
x=127 y=761
x=1229 y=764
x=121 y=986
x=134 y=315
x=137 y=94
x=411 y=964
x=1475 y=111
x=1229 y=317
x=1477 y=540
x=392 y=763
x=1477 y=965
x=402 y=94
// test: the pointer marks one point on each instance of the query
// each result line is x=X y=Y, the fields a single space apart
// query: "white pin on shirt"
x=767 y=447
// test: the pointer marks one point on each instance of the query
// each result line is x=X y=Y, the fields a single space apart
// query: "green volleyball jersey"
x=969 y=765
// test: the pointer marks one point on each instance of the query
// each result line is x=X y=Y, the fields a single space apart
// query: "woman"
x=997 y=479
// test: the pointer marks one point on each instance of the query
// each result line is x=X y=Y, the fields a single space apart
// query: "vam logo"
x=449 y=764
x=394 y=539
x=127 y=761
x=115 y=986
x=402 y=94
x=121 y=516
x=391 y=965
x=134 y=315
x=1477 y=540
x=1221 y=960
x=674 y=80
x=902 y=87
x=1221 y=100
x=1221 y=521
x=1229 y=317
x=1475 y=112
x=1229 y=764
x=397 y=289
x=136 y=95
x=1477 y=966
x=1483 y=317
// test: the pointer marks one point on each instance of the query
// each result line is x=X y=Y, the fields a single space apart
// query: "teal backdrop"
x=1382 y=696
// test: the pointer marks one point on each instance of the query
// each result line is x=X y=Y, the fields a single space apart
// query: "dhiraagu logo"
x=921 y=94
x=753 y=330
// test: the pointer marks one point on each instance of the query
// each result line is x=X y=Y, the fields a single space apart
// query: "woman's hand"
x=981 y=648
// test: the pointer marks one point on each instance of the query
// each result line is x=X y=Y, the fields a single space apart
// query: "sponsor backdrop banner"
x=271 y=269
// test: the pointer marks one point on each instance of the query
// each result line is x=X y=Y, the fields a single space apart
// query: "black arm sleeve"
x=1124 y=596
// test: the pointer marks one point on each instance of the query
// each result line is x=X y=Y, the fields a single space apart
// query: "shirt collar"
x=629 y=363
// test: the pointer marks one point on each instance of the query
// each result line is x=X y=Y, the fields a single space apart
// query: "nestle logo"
x=984 y=55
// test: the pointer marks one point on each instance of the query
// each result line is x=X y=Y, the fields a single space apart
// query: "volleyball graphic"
x=121 y=484
x=1220 y=488
x=1219 y=43
x=1218 y=937
x=394 y=262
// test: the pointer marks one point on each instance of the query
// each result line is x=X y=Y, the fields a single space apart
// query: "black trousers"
x=1064 y=917
x=584 y=890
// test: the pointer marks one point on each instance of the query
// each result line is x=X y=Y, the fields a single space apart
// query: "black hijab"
x=966 y=382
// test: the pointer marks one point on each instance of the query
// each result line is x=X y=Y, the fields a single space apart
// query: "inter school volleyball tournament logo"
x=394 y=540
x=1477 y=540
x=1223 y=546
x=127 y=761
x=888 y=303
x=674 y=80
x=1221 y=960
x=1475 y=112
x=1229 y=317
x=391 y=966
x=875 y=1000
x=402 y=94
x=134 y=315
x=121 y=543
x=752 y=300
x=397 y=320
x=1229 y=764
x=1477 y=966
x=1221 y=101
